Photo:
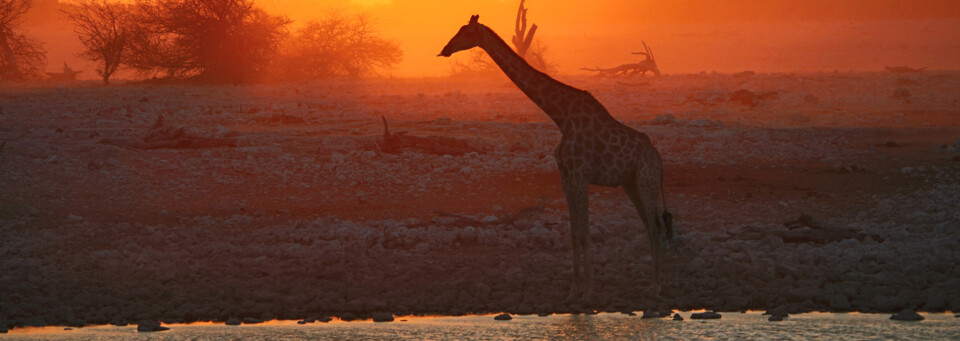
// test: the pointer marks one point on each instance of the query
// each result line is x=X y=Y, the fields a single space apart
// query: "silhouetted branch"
x=440 y=145
x=903 y=69
x=507 y=219
x=648 y=64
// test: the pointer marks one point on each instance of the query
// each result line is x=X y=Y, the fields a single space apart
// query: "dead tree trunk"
x=523 y=38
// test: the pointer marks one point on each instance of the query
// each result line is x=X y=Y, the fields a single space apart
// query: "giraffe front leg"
x=577 y=194
x=574 y=295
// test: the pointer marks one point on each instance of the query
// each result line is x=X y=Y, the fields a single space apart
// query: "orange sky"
x=686 y=35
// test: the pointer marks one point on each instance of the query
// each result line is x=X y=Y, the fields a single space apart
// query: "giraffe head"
x=468 y=37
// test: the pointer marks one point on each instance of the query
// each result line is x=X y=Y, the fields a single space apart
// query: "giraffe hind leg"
x=576 y=193
x=645 y=201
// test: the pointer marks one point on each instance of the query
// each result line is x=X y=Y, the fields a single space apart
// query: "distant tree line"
x=202 y=40
x=21 y=57
x=338 y=45
x=224 y=41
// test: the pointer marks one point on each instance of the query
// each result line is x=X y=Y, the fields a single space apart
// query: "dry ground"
x=306 y=216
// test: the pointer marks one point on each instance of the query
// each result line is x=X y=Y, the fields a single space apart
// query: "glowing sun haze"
x=686 y=35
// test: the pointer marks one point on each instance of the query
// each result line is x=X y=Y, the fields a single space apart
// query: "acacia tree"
x=339 y=45
x=104 y=29
x=214 y=40
x=21 y=57
x=152 y=50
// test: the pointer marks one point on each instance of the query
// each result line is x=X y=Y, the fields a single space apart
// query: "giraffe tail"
x=666 y=217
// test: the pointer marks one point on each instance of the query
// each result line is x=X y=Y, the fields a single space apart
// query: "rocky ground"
x=307 y=217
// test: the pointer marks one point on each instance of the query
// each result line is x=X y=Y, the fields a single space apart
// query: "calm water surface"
x=733 y=326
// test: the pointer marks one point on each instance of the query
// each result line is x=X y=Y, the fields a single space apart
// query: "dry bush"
x=104 y=29
x=339 y=45
x=474 y=64
x=208 y=40
x=21 y=57
x=536 y=56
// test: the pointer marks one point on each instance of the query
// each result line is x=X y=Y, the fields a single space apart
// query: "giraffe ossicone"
x=594 y=149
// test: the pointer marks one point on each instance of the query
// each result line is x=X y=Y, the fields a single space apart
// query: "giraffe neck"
x=544 y=91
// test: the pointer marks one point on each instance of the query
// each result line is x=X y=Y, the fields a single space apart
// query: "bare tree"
x=153 y=50
x=21 y=57
x=339 y=45
x=104 y=29
x=214 y=40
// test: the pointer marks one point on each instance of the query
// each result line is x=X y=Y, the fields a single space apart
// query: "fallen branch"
x=749 y=98
x=648 y=64
x=633 y=84
x=172 y=137
x=619 y=71
x=903 y=69
x=460 y=218
x=507 y=219
x=804 y=229
x=438 y=145
x=526 y=212
x=68 y=74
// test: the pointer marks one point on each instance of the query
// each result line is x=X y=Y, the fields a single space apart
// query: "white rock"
x=468 y=233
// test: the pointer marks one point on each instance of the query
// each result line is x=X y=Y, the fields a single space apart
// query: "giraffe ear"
x=474 y=18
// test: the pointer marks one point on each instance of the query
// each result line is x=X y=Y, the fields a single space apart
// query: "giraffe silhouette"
x=594 y=149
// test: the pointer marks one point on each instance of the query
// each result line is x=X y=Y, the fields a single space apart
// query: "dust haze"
x=688 y=36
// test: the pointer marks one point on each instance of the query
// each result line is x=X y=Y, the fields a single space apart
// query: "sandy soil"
x=306 y=216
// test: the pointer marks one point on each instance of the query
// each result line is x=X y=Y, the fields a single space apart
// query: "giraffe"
x=594 y=149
